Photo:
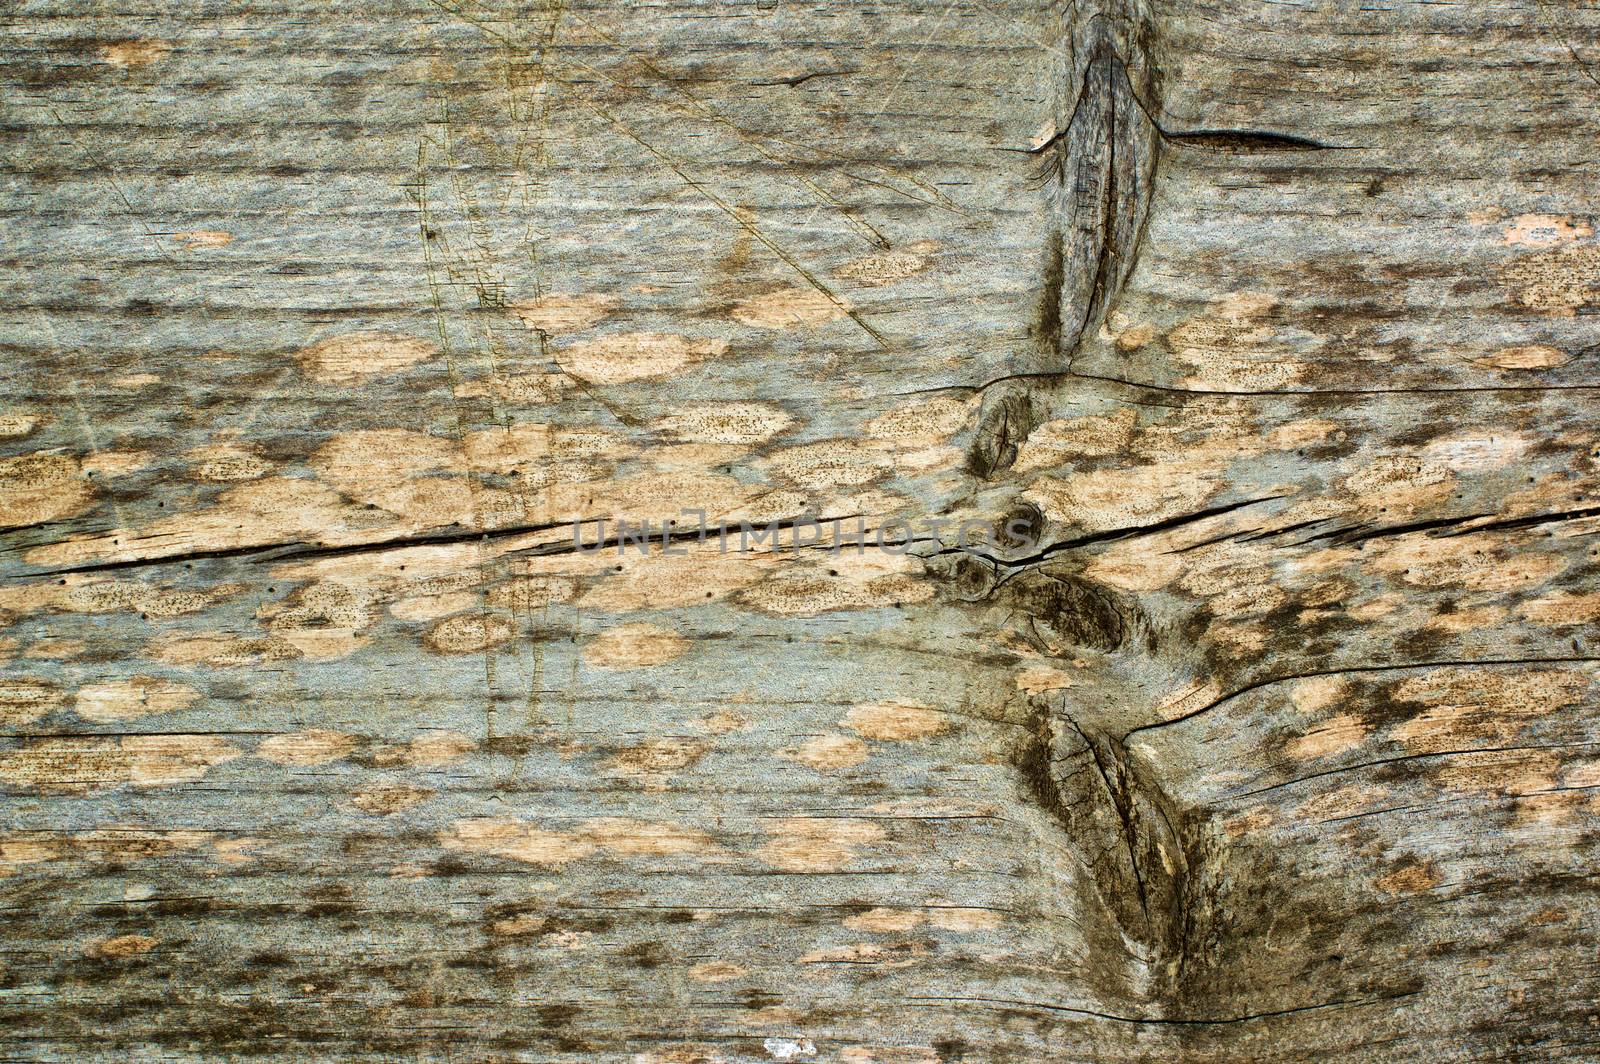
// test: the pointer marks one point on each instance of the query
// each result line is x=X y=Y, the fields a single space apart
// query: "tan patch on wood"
x=1526 y=357
x=218 y=650
x=92 y=594
x=109 y=844
x=563 y=312
x=964 y=918
x=109 y=464
x=694 y=456
x=815 y=844
x=625 y=837
x=1560 y=281
x=1478 y=451
x=1342 y=802
x=626 y=357
x=1467 y=704
x=1472 y=619
x=1057 y=442
x=634 y=646
x=1135 y=566
x=122 y=946
x=133 y=54
x=716 y=971
x=1413 y=877
x=872 y=579
x=687 y=1053
x=887 y=955
x=1232 y=349
x=118 y=844
x=135 y=381
x=470 y=633
x=1399 y=484
x=518 y=840
x=884 y=921
x=654 y=761
x=1236 y=585
x=1305 y=431
x=521 y=924
x=1103 y=499
x=526 y=593
x=372 y=459
x=1376 y=607
x=891 y=266
x=1512 y=772
x=890 y=1055
x=314 y=746
x=1563 y=608
x=1555 y=491
x=203 y=239
x=522 y=389
x=829 y=464
x=572 y=940
x=931 y=421
x=787 y=308
x=662 y=581
x=388 y=799
x=163 y=760
x=723 y=722
x=324 y=604
x=746 y=423
x=1551 y=809
x=895 y=721
x=1583 y=775
x=1480 y=562
x=434 y=750
x=825 y=753
x=1187 y=699
x=434 y=501
x=1038 y=679
x=656 y=495
x=239 y=851
x=54 y=649
x=1240 y=637
x=138 y=696
x=537 y=452
x=15 y=424
x=270 y=510
x=359 y=356
x=1133 y=337
x=1544 y=231
x=1248 y=823
x=430 y=607
x=227 y=462
x=1336 y=735
x=921 y=460
x=24 y=700
x=80 y=764
x=1317 y=693
x=35 y=488
x=323 y=644
x=620 y=836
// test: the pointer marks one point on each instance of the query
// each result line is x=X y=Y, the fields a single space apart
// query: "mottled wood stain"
x=1262 y=726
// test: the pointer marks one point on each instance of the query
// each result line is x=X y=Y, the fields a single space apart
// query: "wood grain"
x=1262 y=724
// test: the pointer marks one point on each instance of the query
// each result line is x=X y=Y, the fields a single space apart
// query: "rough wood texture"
x=1264 y=728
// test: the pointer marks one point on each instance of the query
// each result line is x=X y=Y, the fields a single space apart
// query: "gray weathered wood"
x=1261 y=333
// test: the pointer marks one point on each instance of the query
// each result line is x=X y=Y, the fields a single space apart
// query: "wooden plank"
x=1256 y=338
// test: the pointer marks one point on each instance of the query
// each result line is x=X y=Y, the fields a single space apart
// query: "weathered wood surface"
x=1271 y=735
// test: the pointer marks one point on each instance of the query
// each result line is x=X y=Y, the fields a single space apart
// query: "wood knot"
x=1062 y=613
